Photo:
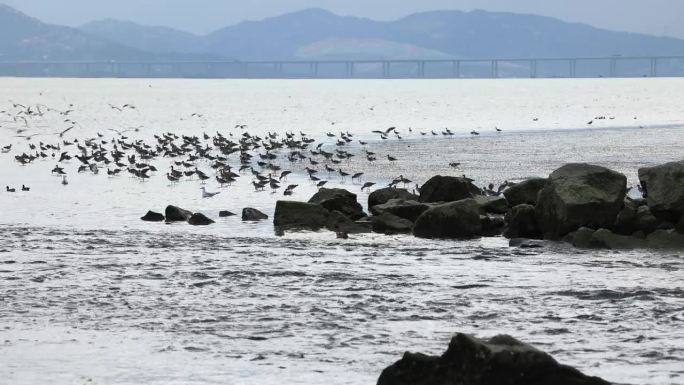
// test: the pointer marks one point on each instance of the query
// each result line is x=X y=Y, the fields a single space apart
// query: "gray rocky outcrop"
x=460 y=219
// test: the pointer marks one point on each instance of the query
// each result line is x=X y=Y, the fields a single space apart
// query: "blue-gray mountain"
x=318 y=34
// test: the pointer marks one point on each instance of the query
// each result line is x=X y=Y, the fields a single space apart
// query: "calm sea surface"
x=89 y=294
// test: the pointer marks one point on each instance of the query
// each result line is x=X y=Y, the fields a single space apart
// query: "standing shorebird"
x=207 y=194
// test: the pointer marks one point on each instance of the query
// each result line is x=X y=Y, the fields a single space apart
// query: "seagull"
x=206 y=194
x=24 y=188
x=454 y=164
x=10 y=189
x=473 y=132
x=6 y=149
x=497 y=129
x=391 y=158
x=64 y=180
x=367 y=185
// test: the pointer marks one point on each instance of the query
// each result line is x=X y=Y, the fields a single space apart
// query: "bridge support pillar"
x=613 y=67
x=495 y=69
x=534 y=69
x=421 y=69
x=654 y=67
x=573 y=68
x=385 y=69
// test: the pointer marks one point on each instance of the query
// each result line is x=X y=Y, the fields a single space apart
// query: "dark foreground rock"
x=151 y=216
x=381 y=196
x=335 y=199
x=225 y=214
x=448 y=189
x=521 y=222
x=387 y=223
x=492 y=204
x=407 y=209
x=251 y=214
x=664 y=190
x=301 y=215
x=577 y=195
x=501 y=360
x=340 y=223
x=525 y=192
x=459 y=219
x=177 y=214
x=199 y=219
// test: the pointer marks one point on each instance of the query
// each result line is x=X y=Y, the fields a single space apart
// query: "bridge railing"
x=615 y=66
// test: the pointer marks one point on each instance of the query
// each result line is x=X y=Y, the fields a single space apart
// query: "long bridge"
x=587 y=67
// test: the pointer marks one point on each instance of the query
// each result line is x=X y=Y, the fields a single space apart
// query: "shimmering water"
x=90 y=294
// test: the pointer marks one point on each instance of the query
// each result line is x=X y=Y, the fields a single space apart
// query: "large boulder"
x=407 y=209
x=525 y=192
x=301 y=215
x=663 y=187
x=252 y=214
x=341 y=200
x=177 y=214
x=199 y=219
x=501 y=360
x=383 y=195
x=387 y=223
x=579 y=194
x=666 y=240
x=448 y=189
x=460 y=219
x=151 y=216
x=492 y=204
x=521 y=222
x=492 y=225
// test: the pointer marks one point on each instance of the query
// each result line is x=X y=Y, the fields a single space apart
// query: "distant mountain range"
x=319 y=34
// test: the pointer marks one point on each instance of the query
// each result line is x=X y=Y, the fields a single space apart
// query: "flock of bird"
x=266 y=159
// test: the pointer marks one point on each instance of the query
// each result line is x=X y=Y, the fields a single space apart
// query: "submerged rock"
x=577 y=195
x=460 y=219
x=407 y=209
x=341 y=200
x=301 y=215
x=199 y=219
x=525 y=192
x=381 y=196
x=151 y=216
x=606 y=239
x=225 y=214
x=492 y=225
x=252 y=214
x=177 y=214
x=664 y=189
x=448 y=189
x=501 y=360
x=338 y=222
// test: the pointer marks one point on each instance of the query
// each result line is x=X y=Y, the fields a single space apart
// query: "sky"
x=655 y=17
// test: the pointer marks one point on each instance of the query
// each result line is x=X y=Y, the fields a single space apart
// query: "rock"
x=492 y=204
x=606 y=239
x=624 y=222
x=407 y=209
x=251 y=214
x=664 y=190
x=199 y=219
x=460 y=219
x=387 y=223
x=151 y=216
x=448 y=189
x=492 y=225
x=341 y=200
x=525 y=192
x=577 y=195
x=381 y=196
x=665 y=240
x=645 y=221
x=177 y=214
x=582 y=238
x=525 y=243
x=521 y=222
x=338 y=222
x=501 y=360
x=225 y=213
x=300 y=215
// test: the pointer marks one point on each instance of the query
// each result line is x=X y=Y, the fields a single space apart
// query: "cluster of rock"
x=472 y=361
x=176 y=214
x=583 y=204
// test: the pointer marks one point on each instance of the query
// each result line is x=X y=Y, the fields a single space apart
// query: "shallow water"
x=90 y=294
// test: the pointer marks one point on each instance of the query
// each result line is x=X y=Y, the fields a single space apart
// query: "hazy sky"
x=657 y=17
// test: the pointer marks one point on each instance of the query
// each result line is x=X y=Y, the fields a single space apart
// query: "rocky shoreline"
x=582 y=204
